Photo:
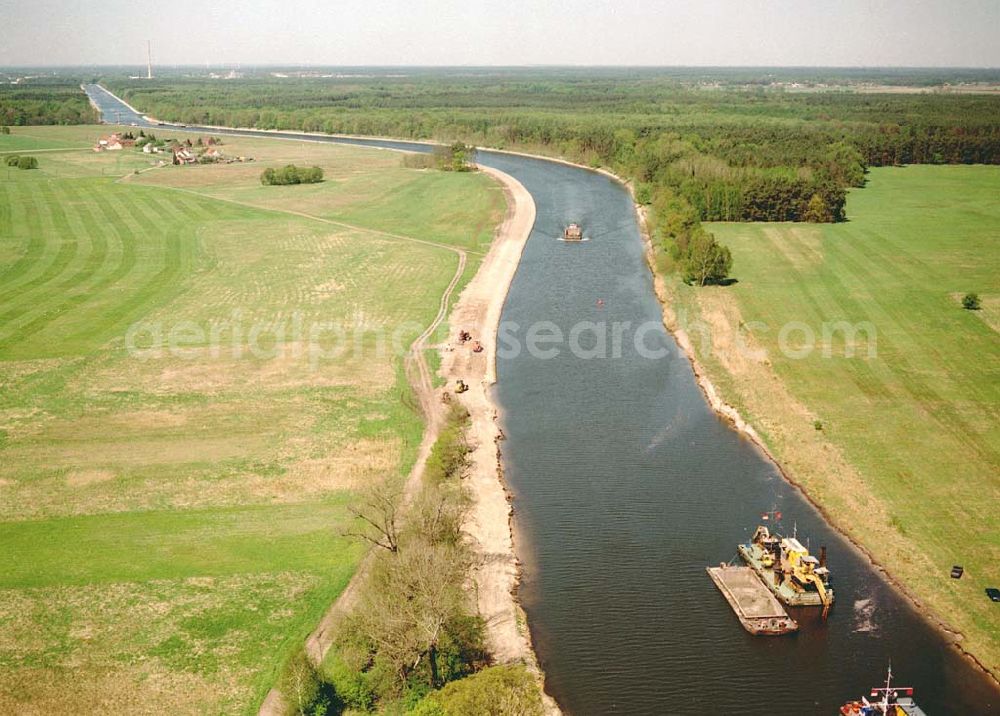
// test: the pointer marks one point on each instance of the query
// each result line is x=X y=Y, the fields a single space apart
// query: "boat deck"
x=783 y=590
x=757 y=608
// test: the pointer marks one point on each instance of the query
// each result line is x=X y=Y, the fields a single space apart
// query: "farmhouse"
x=183 y=155
x=114 y=142
x=111 y=143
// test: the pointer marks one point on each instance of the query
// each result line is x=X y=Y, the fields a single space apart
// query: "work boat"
x=573 y=232
x=887 y=700
x=796 y=577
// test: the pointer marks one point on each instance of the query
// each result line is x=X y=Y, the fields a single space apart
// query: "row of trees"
x=414 y=631
x=291 y=174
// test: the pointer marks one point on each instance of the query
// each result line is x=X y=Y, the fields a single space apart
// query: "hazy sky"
x=504 y=32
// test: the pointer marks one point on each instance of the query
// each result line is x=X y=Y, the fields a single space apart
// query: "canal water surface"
x=627 y=486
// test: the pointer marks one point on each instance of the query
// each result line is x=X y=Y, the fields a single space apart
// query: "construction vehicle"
x=461 y=387
x=785 y=566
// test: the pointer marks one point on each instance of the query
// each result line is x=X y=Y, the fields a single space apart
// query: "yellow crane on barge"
x=796 y=577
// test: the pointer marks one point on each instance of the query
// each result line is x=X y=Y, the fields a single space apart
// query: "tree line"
x=726 y=153
x=734 y=155
x=49 y=103
x=414 y=644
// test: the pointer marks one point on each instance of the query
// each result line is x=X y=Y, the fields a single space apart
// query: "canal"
x=627 y=486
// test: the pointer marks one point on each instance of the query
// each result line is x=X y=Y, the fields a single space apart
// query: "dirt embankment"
x=489 y=524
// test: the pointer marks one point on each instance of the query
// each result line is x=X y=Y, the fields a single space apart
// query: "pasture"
x=176 y=451
x=893 y=428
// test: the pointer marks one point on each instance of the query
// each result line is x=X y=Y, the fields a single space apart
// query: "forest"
x=733 y=152
x=53 y=102
x=704 y=147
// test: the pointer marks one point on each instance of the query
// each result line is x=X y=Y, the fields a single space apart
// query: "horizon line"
x=230 y=65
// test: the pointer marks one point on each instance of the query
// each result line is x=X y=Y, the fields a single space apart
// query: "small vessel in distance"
x=573 y=232
x=892 y=701
x=796 y=577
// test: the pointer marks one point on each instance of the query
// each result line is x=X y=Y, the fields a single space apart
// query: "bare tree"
x=380 y=513
x=438 y=513
x=409 y=604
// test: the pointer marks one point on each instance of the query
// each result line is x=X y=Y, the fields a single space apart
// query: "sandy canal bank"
x=489 y=523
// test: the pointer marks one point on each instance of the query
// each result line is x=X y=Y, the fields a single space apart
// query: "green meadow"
x=894 y=428
x=176 y=451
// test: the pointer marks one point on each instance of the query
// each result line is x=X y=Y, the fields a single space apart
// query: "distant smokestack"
x=149 y=60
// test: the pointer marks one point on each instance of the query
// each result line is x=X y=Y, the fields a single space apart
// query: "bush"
x=4 y=130
x=27 y=163
x=412 y=631
x=352 y=689
x=291 y=174
x=12 y=160
x=817 y=211
x=453 y=158
x=706 y=260
x=412 y=627
x=970 y=302
x=306 y=692
x=448 y=455
x=497 y=691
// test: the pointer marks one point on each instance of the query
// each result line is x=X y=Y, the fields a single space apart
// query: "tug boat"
x=794 y=576
x=888 y=700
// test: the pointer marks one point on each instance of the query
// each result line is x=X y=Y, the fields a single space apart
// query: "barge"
x=756 y=607
x=786 y=568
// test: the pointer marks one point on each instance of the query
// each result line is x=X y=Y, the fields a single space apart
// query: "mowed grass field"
x=907 y=457
x=176 y=453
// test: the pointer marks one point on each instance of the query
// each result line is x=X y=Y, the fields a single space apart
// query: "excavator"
x=806 y=571
x=791 y=571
